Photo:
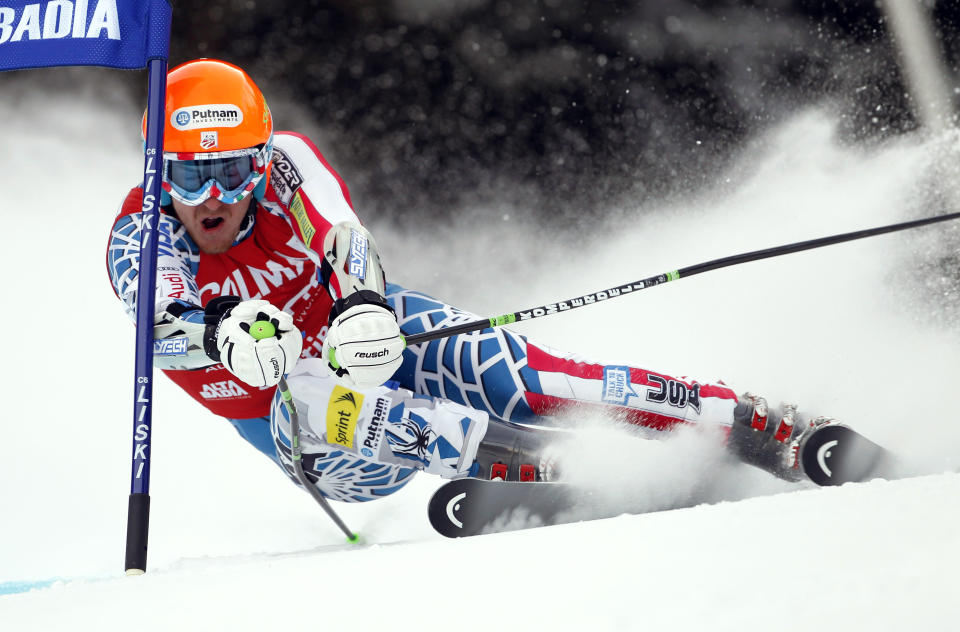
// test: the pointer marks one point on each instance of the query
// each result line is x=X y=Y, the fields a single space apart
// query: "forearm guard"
x=351 y=261
x=182 y=334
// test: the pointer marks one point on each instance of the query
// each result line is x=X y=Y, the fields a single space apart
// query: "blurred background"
x=560 y=108
x=557 y=106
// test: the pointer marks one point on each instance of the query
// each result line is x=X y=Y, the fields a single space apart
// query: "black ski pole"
x=297 y=459
x=265 y=329
x=682 y=273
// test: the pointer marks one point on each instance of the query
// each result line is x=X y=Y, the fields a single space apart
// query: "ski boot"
x=511 y=452
x=819 y=449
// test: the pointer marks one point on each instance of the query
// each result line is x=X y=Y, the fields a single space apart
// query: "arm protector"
x=351 y=261
x=184 y=335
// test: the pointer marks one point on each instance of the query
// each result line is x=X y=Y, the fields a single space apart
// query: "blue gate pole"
x=138 y=507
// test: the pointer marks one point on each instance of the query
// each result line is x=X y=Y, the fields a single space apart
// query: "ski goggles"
x=228 y=176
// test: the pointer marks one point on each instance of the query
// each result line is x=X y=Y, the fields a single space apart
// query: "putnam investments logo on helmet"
x=206 y=116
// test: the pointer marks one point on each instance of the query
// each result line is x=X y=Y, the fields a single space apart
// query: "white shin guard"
x=377 y=425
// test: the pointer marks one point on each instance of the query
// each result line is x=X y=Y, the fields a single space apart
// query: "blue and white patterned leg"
x=486 y=370
x=518 y=380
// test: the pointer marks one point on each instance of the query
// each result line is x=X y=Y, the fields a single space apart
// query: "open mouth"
x=211 y=223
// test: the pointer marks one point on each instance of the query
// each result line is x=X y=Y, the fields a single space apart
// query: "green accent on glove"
x=333 y=358
x=262 y=329
x=506 y=319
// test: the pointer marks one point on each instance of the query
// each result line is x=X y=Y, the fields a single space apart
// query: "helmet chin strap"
x=251 y=212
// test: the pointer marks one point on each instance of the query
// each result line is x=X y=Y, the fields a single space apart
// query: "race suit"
x=436 y=410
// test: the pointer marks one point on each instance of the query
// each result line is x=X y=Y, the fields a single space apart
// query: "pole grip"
x=138 y=523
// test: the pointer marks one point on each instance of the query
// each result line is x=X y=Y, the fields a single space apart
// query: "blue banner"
x=114 y=33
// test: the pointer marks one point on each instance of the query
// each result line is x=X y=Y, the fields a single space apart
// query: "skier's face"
x=213 y=225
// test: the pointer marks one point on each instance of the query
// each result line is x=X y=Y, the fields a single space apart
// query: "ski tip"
x=836 y=455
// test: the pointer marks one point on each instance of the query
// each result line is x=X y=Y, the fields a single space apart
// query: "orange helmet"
x=218 y=134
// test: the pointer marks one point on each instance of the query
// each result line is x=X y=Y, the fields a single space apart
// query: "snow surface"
x=235 y=546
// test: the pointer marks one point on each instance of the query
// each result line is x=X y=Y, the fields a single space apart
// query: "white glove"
x=364 y=345
x=260 y=358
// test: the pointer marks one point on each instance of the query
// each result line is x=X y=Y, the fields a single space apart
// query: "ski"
x=833 y=455
x=472 y=506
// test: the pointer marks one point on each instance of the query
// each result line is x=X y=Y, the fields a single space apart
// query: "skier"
x=257 y=227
